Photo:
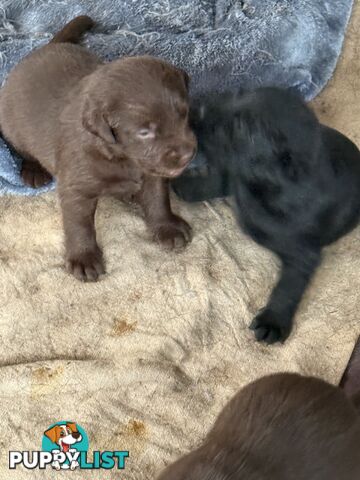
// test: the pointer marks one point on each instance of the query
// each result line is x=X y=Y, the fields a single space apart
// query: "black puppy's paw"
x=270 y=327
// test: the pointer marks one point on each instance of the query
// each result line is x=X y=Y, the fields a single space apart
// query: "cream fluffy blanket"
x=145 y=359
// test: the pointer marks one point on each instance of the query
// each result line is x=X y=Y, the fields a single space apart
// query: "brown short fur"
x=281 y=427
x=101 y=129
x=350 y=381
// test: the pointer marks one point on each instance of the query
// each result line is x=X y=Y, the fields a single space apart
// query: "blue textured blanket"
x=222 y=43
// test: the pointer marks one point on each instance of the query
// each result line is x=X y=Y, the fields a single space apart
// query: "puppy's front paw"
x=86 y=266
x=270 y=328
x=34 y=175
x=175 y=233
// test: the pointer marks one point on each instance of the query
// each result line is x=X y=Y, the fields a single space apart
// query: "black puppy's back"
x=344 y=158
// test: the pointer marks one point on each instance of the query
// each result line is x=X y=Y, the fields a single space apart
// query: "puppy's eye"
x=113 y=133
x=62 y=434
x=145 y=133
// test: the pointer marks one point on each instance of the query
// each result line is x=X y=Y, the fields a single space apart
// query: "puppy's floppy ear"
x=53 y=433
x=72 y=426
x=186 y=78
x=172 y=73
x=94 y=120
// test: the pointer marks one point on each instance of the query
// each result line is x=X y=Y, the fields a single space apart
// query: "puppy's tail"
x=73 y=30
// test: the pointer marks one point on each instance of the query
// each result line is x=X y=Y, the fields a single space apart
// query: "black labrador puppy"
x=295 y=181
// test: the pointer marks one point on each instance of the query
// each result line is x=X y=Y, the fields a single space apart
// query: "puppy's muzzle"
x=179 y=157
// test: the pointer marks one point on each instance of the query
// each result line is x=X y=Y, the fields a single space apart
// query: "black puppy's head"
x=259 y=124
x=262 y=137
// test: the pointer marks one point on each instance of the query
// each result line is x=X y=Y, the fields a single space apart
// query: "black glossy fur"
x=296 y=184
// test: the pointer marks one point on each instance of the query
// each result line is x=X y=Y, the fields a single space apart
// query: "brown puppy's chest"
x=121 y=184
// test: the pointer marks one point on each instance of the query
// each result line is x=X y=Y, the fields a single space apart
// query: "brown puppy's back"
x=39 y=85
x=281 y=427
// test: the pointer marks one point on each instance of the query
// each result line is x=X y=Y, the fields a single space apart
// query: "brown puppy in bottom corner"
x=101 y=129
x=281 y=427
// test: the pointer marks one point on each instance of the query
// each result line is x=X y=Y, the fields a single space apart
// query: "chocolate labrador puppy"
x=296 y=184
x=101 y=129
x=281 y=427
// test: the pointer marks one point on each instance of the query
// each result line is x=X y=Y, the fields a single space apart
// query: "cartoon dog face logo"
x=65 y=436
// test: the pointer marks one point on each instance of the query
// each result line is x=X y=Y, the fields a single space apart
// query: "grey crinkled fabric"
x=223 y=44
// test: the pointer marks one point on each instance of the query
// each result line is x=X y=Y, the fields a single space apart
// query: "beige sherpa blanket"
x=145 y=359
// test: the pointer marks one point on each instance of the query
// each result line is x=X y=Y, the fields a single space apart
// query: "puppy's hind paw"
x=270 y=328
x=34 y=175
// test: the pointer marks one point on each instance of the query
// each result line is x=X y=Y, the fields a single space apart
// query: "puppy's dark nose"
x=182 y=155
x=76 y=435
x=187 y=155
